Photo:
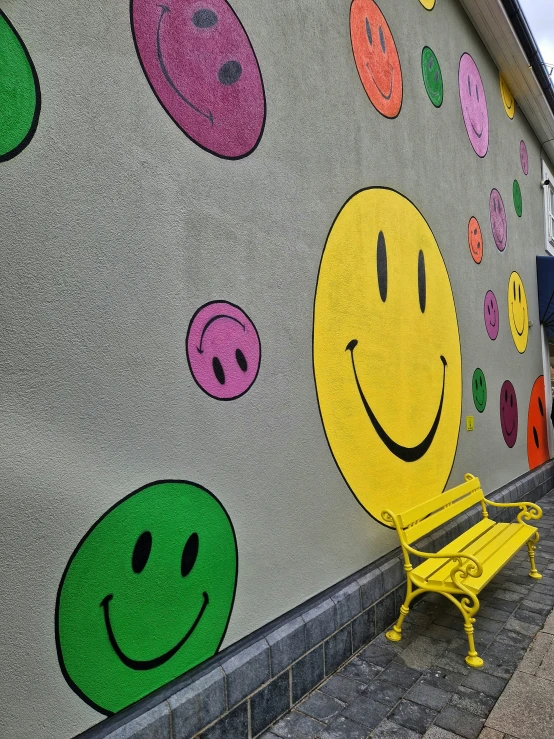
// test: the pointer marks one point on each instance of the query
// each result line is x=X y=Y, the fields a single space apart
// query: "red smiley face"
x=376 y=57
x=475 y=240
x=537 y=435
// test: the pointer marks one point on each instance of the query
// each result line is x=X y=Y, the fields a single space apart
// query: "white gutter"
x=499 y=36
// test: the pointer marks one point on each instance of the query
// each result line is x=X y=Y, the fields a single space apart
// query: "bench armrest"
x=474 y=569
x=529 y=511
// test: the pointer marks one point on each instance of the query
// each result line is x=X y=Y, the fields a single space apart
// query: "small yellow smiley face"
x=387 y=356
x=507 y=98
x=518 y=312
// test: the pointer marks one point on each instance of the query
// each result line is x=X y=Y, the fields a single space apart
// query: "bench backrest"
x=426 y=517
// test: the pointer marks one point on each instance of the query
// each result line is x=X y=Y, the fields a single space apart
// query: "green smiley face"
x=518 y=203
x=432 y=76
x=147 y=594
x=19 y=92
x=479 y=388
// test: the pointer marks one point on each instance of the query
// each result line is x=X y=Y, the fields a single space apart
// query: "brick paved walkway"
x=421 y=686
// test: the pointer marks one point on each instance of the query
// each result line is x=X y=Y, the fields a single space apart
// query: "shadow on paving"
x=421 y=686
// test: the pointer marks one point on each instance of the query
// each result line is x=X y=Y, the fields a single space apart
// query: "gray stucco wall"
x=116 y=228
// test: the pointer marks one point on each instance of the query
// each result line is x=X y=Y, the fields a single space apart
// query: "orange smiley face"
x=475 y=240
x=376 y=57
x=537 y=434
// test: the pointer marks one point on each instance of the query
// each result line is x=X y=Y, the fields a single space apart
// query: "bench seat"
x=462 y=568
x=493 y=544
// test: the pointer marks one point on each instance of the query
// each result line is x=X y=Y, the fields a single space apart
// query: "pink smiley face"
x=499 y=224
x=474 y=105
x=223 y=350
x=508 y=413
x=523 y=157
x=203 y=70
x=490 y=310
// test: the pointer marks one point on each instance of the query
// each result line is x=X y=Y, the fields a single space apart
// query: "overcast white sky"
x=540 y=16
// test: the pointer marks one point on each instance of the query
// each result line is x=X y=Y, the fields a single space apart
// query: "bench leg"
x=472 y=658
x=395 y=634
x=531 y=546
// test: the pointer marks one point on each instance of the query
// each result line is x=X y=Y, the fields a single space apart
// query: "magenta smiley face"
x=491 y=315
x=523 y=157
x=223 y=350
x=508 y=413
x=203 y=70
x=499 y=224
x=474 y=105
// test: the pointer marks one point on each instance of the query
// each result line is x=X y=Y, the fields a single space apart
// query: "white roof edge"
x=497 y=33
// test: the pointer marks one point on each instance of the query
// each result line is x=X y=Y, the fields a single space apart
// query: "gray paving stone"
x=153 y=724
x=428 y=696
x=307 y=673
x=442 y=633
x=366 y=711
x=435 y=732
x=529 y=605
x=320 y=622
x=459 y=722
x=269 y=703
x=359 y=669
x=413 y=716
x=321 y=706
x=338 y=649
x=385 y=692
x=498 y=604
x=246 y=671
x=286 y=644
x=371 y=587
x=363 y=629
x=379 y=654
x=348 y=603
x=198 y=705
x=522 y=627
x=529 y=617
x=385 y=612
x=400 y=675
x=390 y=730
x=234 y=724
x=442 y=679
x=343 y=688
x=421 y=653
x=488 y=684
x=506 y=594
x=295 y=725
x=494 y=614
x=482 y=640
x=343 y=728
x=452 y=662
x=473 y=701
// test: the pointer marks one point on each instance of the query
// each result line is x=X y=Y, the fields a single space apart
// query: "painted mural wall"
x=351 y=188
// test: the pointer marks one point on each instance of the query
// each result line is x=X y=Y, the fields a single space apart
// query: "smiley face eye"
x=204 y=18
x=536 y=437
x=519 y=292
x=421 y=281
x=431 y=62
x=514 y=284
x=218 y=370
x=481 y=381
x=190 y=553
x=469 y=85
x=382 y=273
x=229 y=73
x=382 y=39
x=368 y=32
x=477 y=91
x=511 y=401
x=141 y=552
x=505 y=396
x=541 y=409
x=241 y=360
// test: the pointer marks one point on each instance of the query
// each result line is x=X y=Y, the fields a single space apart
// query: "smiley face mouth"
x=475 y=131
x=498 y=239
x=164 y=11
x=519 y=333
x=147 y=664
x=405 y=453
x=389 y=95
x=508 y=433
x=212 y=320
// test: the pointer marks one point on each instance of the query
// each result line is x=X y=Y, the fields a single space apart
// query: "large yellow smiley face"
x=518 y=312
x=387 y=356
x=507 y=98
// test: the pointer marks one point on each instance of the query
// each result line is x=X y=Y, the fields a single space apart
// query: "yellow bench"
x=467 y=564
